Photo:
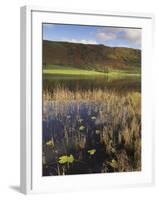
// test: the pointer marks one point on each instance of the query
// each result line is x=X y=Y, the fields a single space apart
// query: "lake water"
x=76 y=128
x=76 y=83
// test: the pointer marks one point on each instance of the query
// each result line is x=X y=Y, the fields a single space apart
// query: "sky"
x=108 y=36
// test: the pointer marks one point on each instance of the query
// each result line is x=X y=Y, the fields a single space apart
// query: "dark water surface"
x=76 y=83
x=62 y=122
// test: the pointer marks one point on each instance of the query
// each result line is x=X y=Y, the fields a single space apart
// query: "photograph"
x=91 y=99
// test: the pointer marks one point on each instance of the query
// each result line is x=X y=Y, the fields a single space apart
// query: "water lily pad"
x=114 y=164
x=81 y=128
x=92 y=151
x=66 y=159
x=70 y=159
x=49 y=143
x=63 y=159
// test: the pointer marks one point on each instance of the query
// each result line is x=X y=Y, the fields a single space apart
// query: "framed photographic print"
x=86 y=103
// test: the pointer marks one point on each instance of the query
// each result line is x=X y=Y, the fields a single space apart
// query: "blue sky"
x=109 y=36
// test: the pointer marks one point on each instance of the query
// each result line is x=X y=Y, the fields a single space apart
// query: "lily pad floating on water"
x=49 y=143
x=66 y=159
x=62 y=159
x=92 y=151
x=114 y=164
x=70 y=159
x=81 y=128
x=93 y=118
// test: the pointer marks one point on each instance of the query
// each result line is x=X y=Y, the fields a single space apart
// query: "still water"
x=75 y=128
x=76 y=83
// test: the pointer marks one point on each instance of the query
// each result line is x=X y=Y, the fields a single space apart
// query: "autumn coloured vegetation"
x=91 y=132
x=91 y=120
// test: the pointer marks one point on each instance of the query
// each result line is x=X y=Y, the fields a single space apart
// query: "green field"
x=71 y=71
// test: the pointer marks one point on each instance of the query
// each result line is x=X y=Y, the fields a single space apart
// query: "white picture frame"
x=31 y=100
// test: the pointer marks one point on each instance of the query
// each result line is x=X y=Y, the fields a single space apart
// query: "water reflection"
x=76 y=127
x=89 y=83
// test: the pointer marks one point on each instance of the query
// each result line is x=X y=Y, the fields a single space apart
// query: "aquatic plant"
x=49 y=143
x=114 y=164
x=81 y=128
x=92 y=151
x=102 y=125
x=66 y=159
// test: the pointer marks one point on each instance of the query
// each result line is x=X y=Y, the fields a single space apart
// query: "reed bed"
x=95 y=131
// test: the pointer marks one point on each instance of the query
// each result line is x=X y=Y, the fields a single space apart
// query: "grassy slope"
x=90 y=57
x=61 y=70
x=70 y=71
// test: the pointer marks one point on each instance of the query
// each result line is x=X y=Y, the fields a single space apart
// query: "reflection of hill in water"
x=121 y=85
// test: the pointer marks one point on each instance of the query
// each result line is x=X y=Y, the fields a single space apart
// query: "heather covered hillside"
x=90 y=57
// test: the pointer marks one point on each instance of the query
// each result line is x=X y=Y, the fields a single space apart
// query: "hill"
x=90 y=56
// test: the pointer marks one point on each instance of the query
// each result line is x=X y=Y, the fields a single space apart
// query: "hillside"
x=86 y=56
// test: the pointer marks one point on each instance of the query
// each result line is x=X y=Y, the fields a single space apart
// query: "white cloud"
x=82 y=41
x=106 y=34
x=127 y=34
x=133 y=35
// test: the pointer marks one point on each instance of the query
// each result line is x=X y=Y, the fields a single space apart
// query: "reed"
x=111 y=125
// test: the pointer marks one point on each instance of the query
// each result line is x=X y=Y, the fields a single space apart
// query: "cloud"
x=82 y=41
x=106 y=33
x=133 y=35
x=127 y=34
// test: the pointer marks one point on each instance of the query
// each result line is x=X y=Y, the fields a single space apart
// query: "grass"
x=63 y=94
x=57 y=70
x=101 y=130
